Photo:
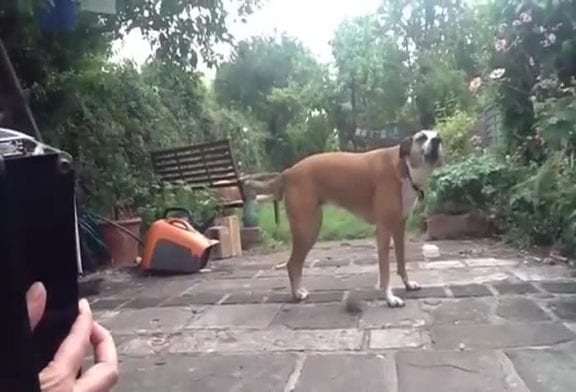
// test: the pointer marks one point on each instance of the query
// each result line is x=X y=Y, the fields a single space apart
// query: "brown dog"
x=380 y=186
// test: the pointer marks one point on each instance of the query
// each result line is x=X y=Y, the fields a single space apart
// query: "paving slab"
x=520 y=309
x=515 y=288
x=145 y=345
x=559 y=287
x=332 y=263
x=318 y=316
x=490 y=336
x=345 y=373
x=317 y=297
x=379 y=315
x=548 y=370
x=456 y=372
x=234 y=285
x=236 y=316
x=150 y=320
x=108 y=303
x=564 y=309
x=398 y=338
x=281 y=297
x=207 y=373
x=342 y=282
x=470 y=290
x=490 y=262
x=542 y=273
x=424 y=292
x=144 y=302
x=443 y=264
x=368 y=260
x=458 y=311
x=195 y=298
x=244 y=297
x=465 y=276
x=277 y=339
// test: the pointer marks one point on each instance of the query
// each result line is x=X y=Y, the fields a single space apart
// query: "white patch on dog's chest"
x=409 y=197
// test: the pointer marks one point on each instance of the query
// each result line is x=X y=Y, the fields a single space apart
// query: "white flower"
x=475 y=84
x=476 y=140
x=551 y=38
x=516 y=23
x=525 y=17
x=497 y=73
x=500 y=45
x=531 y=61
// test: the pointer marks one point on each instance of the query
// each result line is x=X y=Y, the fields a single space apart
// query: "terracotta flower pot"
x=122 y=247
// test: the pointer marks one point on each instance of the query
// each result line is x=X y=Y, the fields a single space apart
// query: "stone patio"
x=487 y=319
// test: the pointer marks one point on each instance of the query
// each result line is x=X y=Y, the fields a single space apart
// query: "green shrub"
x=541 y=210
x=480 y=182
x=456 y=132
x=202 y=204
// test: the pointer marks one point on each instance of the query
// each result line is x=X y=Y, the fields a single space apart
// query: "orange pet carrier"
x=174 y=246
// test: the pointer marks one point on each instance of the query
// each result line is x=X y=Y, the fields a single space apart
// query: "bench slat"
x=209 y=180
x=208 y=156
x=185 y=166
x=215 y=146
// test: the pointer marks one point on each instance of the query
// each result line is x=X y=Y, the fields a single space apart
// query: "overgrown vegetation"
x=412 y=64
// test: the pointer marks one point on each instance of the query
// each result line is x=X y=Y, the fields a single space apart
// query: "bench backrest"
x=207 y=165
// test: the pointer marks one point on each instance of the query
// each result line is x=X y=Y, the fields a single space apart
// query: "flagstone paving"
x=487 y=319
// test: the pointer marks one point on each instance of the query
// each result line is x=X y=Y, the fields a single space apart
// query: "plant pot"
x=473 y=224
x=122 y=247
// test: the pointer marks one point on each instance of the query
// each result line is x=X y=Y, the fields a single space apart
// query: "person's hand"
x=60 y=374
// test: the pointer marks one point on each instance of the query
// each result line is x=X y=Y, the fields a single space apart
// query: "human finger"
x=36 y=303
x=73 y=349
x=104 y=374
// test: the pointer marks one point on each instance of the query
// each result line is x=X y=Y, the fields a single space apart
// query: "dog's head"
x=424 y=148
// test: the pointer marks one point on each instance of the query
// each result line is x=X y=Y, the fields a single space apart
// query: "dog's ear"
x=405 y=147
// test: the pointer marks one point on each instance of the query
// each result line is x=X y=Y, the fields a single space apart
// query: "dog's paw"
x=394 y=301
x=301 y=294
x=412 y=286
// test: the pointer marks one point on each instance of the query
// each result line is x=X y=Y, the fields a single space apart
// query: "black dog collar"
x=416 y=188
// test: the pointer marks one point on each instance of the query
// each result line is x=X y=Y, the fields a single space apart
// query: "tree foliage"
x=412 y=64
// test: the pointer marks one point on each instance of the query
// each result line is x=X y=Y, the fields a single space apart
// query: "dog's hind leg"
x=305 y=219
x=398 y=236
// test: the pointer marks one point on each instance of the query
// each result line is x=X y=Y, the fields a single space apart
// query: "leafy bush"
x=202 y=204
x=456 y=132
x=542 y=209
x=246 y=136
x=480 y=182
x=313 y=136
x=107 y=118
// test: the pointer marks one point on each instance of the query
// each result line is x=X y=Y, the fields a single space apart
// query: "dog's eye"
x=422 y=138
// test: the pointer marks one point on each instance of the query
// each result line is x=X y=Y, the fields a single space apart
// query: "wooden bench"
x=202 y=166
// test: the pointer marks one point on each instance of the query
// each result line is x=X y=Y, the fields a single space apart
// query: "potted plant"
x=121 y=230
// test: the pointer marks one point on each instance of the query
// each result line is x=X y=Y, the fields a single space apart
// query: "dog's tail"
x=266 y=184
x=269 y=184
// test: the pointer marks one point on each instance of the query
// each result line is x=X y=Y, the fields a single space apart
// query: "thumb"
x=36 y=302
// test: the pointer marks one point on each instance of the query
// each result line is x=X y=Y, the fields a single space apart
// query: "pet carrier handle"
x=178 y=209
x=181 y=224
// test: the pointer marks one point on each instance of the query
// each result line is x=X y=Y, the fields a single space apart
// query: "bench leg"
x=276 y=212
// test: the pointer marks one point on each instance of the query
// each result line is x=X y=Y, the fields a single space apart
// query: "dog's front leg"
x=383 y=237
x=399 y=248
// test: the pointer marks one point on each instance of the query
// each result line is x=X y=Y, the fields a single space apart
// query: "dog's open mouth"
x=432 y=156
